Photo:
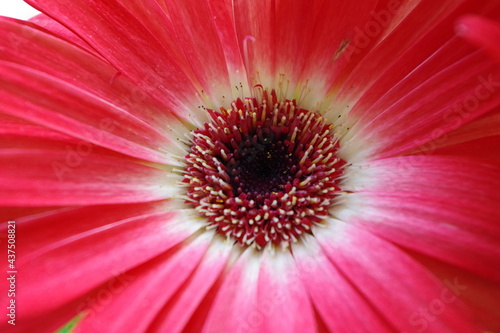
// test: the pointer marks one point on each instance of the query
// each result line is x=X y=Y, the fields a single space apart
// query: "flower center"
x=263 y=171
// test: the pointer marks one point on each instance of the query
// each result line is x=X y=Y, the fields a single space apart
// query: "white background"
x=17 y=9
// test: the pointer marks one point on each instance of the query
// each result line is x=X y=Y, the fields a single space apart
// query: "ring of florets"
x=263 y=171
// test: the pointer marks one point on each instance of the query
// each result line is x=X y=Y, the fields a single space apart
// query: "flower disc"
x=263 y=171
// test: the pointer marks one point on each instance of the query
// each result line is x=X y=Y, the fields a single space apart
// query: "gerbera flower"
x=251 y=166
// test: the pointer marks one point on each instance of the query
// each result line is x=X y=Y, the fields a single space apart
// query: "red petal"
x=326 y=44
x=180 y=309
x=57 y=319
x=135 y=108
x=104 y=241
x=480 y=295
x=482 y=32
x=223 y=16
x=443 y=207
x=418 y=30
x=480 y=149
x=136 y=301
x=234 y=308
x=146 y=53
x=39 y=168
x=280 y=51
x=255 y=32
x=282 y=300
x=329 y=290
x=199 y=40
x=486 y=127
x=12 y=213
x=33 y=47
x=416 y=113
x=407 y=295
x=39 y=98
x=61 y=31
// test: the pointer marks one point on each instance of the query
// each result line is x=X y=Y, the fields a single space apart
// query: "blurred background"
x=17 y=9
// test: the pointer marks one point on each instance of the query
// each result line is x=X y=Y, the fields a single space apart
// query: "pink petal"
x=329 y=44
x=199 y=40
x=480 y=149
x=181 y=307
x=105 y=242
x=480 y=295
x=487 y=126
x=223 y=18
x=282 y=301
x=59 y=30
x=444 y=55
x=292 y=53
x=29 y=94
x=408 y=296
x=145 y=291
x=265 y=299
x=44 y=168
x=253 y=27
x=235 y=307
x=418 y=30
x=12 y=213
x=33 y=47
x=413 y=113
x=147 y=52
x=443 y=207
x=57 y=319
x=341 y=306
x=481 y=31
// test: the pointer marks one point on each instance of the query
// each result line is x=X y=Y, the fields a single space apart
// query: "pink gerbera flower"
x=251 y=166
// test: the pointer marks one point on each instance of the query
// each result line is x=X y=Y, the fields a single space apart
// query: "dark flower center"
x=264 y=166
x=263 y=171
